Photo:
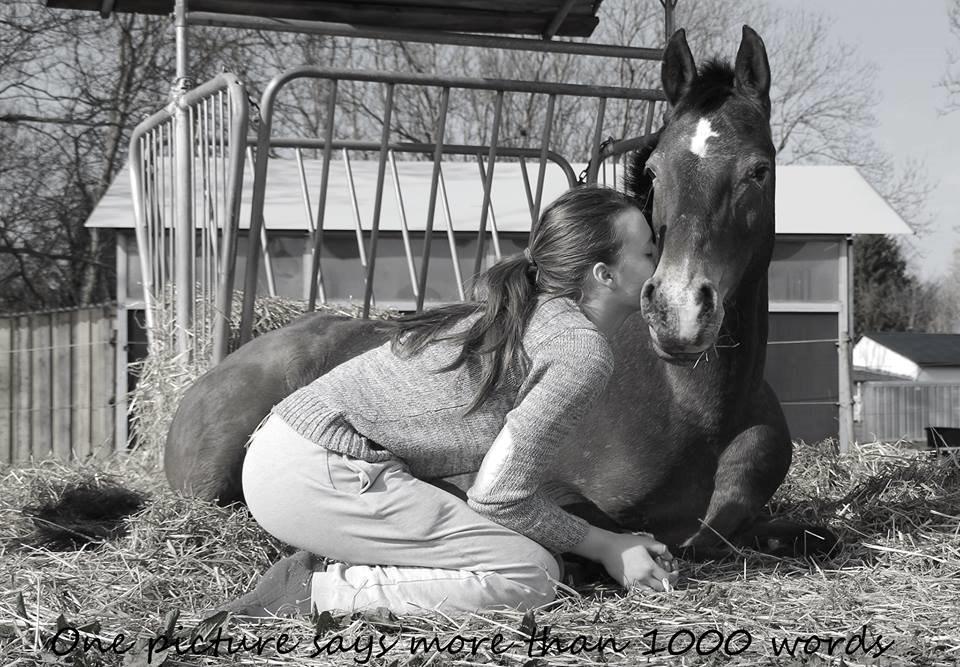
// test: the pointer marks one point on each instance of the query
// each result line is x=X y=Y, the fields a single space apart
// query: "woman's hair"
x=575 y=232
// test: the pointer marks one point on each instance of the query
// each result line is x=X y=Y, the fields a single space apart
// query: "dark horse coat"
x=689 y=442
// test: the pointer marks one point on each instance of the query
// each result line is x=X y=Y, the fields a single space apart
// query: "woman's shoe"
x=283 y=590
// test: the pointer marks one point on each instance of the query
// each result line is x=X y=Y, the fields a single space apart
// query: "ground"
x=889 y=596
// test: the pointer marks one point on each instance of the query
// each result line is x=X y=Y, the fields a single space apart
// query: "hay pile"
x=889 y=596
x=895 y=584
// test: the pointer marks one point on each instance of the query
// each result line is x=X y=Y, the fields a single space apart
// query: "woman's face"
x=637 y=260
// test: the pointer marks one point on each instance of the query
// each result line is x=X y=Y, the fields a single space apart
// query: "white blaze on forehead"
x=698 y=143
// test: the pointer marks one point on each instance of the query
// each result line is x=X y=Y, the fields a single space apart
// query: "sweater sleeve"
x=567 y=374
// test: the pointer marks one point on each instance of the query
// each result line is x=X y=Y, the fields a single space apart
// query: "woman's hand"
x=632 y=560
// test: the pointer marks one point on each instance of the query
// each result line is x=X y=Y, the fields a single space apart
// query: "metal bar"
x=488 y=181
x=351 y=187
x=142 y=229
x=451 y=240
x=495 y=232
x=378 y=201
x=305 y=191
x=429 y=37
x=628 y=145
x=183 y=256
x=594 y=164
x=551 y=30
x=180 y=21
x=239 y=116
x=448 y=149
x=432 y=203
x=404 y=230
x=668 y=18
x=528 y=190
x=256 y=210
x=544 y=145
x=264 y=246
x=322 y=204
x=648 y=120
x=465 y=83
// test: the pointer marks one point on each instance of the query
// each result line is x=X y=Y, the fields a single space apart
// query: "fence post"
x=845 y=320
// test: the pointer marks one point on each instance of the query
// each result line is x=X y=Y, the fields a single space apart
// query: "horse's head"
x=712 y=174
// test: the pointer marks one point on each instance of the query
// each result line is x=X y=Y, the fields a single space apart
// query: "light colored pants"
x=406 y=545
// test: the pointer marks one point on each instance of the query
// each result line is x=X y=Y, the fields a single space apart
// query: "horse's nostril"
x=708 y=297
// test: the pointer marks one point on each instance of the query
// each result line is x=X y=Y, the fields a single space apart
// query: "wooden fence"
x=892 y=411
x=57 y=384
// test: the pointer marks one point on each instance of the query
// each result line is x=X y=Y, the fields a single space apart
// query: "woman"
x=491 y=387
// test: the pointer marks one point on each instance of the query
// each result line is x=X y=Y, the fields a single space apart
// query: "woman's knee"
x=535 y=580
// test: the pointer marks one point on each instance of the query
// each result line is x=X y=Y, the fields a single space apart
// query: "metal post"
x=451 y=239
x=544 y=146
x=378 y=201
x=183 y=219
x=488 y=182
x=668 y=18
x=432 y=202
x=404 y=229
x=594 y=166
x=845 y=322
x=322 y=204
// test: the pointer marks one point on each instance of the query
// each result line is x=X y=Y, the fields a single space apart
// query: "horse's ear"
x=752 y=68
x=678 y=70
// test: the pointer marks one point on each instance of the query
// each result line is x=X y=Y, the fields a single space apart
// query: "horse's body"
x=688 y=441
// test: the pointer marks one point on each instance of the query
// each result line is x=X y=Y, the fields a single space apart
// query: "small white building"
x=922 y=357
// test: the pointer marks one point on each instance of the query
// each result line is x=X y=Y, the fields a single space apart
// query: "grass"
x=890 y=596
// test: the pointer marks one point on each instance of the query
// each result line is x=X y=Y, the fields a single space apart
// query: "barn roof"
x=811 y=200
x=923 y=349
x=577 y=18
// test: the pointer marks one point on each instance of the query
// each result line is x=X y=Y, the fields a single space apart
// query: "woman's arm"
x=567 y=373
x=632 y=560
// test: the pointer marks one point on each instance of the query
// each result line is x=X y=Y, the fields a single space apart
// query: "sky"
x=908 y=41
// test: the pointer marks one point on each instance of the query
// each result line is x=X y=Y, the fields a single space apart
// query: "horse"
x=688 y=442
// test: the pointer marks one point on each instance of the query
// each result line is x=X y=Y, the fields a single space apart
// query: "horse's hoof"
x=809 y=542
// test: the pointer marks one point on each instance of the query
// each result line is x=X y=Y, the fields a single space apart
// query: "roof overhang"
x=548 y=18
x=810 y=200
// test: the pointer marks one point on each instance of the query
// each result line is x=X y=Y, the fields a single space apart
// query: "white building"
x=922 y=357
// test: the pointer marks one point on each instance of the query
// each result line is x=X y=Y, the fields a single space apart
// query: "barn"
x=810 y=285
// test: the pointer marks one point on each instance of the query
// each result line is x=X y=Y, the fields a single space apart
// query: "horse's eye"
x=759 y=172
x=650 y=173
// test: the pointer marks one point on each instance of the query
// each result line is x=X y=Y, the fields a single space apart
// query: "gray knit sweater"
x=379 y=405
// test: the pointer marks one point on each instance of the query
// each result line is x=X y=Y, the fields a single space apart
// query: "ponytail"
x=505 y=296
x=575 y=231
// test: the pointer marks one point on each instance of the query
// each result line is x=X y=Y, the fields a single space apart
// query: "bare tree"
x=74 y=85
x=951 y=78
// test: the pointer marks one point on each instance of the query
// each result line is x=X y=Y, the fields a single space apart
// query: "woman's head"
x=579 y=229
x=576 y=245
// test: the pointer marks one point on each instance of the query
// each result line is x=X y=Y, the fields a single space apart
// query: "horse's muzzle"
x=683 y=322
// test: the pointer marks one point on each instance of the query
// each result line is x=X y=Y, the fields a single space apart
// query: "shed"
x=810 y=285
x=923 y=357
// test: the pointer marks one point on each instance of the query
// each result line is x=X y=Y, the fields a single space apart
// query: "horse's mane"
x=711 y=88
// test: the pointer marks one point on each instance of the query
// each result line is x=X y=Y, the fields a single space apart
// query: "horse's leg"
x=748 y=473
x=749 y=470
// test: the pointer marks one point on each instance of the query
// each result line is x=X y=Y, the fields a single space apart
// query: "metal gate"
x=186 y=165
x=540 y=149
